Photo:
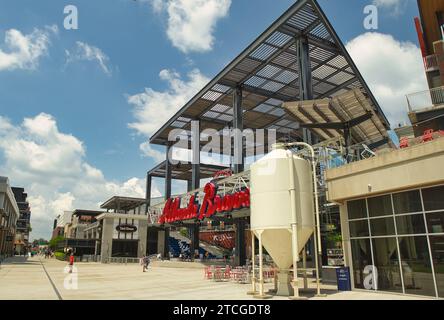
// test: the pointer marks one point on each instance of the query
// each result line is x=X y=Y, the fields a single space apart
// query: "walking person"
x=71 y=262
x=146 y=262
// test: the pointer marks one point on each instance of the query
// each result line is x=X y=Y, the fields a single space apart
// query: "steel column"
x=195 y=179
x=195 y=150
x=305 y=79
x=149 y=179
x=168 y=173
x=166 y=250
x=240 y=255
x=238 y=159
x=238 y=127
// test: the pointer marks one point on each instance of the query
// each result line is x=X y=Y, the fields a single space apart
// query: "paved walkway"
x=39 y=278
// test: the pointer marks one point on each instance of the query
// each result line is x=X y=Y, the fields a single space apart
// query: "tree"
x=53 y=243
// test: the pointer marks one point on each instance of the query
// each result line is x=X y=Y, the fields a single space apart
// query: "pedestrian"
x=71 y=262
x=146 y=262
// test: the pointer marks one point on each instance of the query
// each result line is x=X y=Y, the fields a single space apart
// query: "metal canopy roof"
x=122 y=203
x=81 y=212
x=268 y=73
x=183 y=171
x=345 y=107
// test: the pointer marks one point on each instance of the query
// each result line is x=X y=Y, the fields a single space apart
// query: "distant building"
x=80 y=220
x=9 y=214
x=122 y=230
x=60 y=223
x=24 y=221
x=426 y=109
x=64 y=218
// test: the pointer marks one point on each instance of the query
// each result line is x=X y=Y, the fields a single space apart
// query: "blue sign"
x=343 y=277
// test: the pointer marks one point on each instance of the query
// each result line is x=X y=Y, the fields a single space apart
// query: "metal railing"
x=90 y=258
x=431 y=63
x=426 y=99
x=122 y=260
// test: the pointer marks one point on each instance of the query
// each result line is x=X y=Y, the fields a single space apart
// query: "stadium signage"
x=212 y=203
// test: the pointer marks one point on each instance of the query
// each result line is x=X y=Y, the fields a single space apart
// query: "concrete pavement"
x=39 y=278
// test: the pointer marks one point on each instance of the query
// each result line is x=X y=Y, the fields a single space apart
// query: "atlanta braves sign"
x=212 y=203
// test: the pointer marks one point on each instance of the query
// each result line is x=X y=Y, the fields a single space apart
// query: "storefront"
x=392 y=213
x=121 y=232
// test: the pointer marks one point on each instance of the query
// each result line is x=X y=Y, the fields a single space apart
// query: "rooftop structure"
x=125 y=204
x=299 y=57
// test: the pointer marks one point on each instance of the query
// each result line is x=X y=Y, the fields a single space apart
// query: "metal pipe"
x=304 y=266
x=261 y=271
x=294 y=229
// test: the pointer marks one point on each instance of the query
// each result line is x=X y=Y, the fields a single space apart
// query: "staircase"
x=179 y=244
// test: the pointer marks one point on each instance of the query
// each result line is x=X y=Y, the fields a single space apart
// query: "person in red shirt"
x=71 y=262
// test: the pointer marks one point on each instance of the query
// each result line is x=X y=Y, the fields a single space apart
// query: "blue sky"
x=87 y=98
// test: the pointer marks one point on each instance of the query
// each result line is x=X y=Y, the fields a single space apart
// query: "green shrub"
x=60 y=256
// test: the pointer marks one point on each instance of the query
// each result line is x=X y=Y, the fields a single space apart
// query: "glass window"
x=435 y=222
x=359 y=228
x=357 y=209
x=433 y=198
x=416 y=268
x=437 y=247
x=411 y=224
x=380 y=206
x=386 y=262
x=382 y=227
x=362 y=262
x=407 y=202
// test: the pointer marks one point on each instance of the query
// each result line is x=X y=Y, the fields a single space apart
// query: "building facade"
x=9 y=214
x=426 y=108
x=392 y=217
x=122 y=230
x=24 y=221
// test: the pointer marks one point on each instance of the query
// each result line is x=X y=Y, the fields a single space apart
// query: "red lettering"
x=211 y=204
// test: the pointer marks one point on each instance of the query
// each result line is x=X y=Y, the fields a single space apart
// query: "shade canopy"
x=326 y=117
x=122 y=203
x=268 y=73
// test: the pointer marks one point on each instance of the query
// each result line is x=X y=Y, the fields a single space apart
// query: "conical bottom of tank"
x=278 y=242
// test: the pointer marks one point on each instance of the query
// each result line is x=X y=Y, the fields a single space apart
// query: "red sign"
x=212 y=203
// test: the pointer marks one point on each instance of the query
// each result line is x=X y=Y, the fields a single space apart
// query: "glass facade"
x=397 y=242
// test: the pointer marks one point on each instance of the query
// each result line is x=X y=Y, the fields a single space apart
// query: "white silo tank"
x=271 y=207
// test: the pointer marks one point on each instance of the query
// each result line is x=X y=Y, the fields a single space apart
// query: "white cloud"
x=24 y=51
x=391 y=68
x=152 y=108
x=191 y=23
x=51 y=165
x=395 y=6
x=149 y=152
x=86 y=52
